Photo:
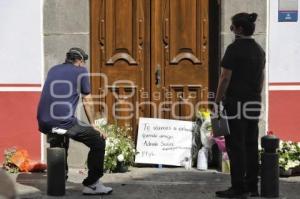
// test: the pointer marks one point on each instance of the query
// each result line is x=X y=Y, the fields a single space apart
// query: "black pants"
x=242 y=146
x=92 y=139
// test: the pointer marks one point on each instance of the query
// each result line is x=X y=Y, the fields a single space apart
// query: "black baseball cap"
x=77 y=53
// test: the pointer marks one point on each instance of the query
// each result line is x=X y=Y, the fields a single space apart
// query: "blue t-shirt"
x=60 y=96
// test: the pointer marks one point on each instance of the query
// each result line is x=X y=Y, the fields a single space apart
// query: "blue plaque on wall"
x=288 y=10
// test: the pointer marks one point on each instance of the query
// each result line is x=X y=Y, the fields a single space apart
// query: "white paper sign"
x=162 y=141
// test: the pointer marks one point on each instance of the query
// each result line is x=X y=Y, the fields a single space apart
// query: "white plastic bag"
x=202 y=159
x=205 y=131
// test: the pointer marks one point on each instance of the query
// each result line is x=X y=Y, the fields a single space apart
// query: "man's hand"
x=103 y=135
x=89 y=107
x=90 y=113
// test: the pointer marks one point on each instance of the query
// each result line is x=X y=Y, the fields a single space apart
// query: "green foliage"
x=289 y=155
x=118 y=143
x=8 y=165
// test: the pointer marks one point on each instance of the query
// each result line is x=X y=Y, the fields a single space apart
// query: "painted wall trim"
x=284 y=84
x=20 y=85
x=284 y=88
x=20 y=89
x=42 y=71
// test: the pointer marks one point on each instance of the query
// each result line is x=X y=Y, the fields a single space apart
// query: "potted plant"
x=119 y=151
x=289 y=157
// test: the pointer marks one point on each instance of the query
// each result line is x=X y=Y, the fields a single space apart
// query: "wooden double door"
x=149 y=58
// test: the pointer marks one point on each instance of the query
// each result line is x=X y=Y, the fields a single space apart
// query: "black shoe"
x=231 y=193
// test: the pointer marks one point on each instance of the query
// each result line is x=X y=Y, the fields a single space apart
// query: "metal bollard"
x=270 y=167
x=56 y=171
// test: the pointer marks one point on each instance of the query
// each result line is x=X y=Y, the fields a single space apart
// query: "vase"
x=296 y=171
x=285 y=173
x=121 y=167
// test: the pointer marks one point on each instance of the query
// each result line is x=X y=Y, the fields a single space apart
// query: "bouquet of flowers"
x=8 y=164
x=289 y=155
x=17 y=160
x=119 y=147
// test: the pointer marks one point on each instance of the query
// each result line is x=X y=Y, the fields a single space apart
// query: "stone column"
x=66 y=25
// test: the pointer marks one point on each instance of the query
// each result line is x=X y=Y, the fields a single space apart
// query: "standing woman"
x=240 y=86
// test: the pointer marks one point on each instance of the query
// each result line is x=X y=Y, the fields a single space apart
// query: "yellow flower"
x=204 y=113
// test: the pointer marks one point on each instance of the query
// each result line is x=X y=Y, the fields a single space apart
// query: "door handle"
x=158 y=76
x=101 y=38
x=141 y=32
x=166 y=31
x=204 y=32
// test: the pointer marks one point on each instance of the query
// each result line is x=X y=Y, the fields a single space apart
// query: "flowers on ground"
x=119 y=146
x=8 y=164
x=17 y=160
x=120 y=158
x=289 y=155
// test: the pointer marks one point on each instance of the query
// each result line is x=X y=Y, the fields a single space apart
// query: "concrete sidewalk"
x=144 y=183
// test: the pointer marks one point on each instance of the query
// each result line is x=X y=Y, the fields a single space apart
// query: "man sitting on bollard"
x=56 y=115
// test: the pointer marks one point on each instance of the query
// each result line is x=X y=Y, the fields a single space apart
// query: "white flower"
x=108 y=142
x=101 y=122
x=297 y=162
x=259 y=147
x=291 y=164
x=116 y=142
x=286 y=167
x=120 y=158
x=280 y=144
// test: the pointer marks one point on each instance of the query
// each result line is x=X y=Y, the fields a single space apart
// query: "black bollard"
x=270 y=167
x=56 y=172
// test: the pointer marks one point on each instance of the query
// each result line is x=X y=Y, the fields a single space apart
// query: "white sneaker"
x=96 y=189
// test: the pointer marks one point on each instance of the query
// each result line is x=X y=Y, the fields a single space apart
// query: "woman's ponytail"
x=252 y=17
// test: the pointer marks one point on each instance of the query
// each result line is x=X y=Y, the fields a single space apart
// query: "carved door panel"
x=179 y=58
x=139 y=81
x=120 y=52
